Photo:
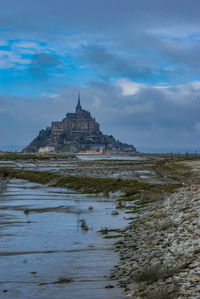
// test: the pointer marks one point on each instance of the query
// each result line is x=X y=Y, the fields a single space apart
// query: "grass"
x=81 y=184
x=134 y=209
x=113 y=237
x=153 y=273
x=173 y=170
x=162 y=292
x=151 y=192
x=33 y=176
x=132 y=189
x=106 y=230
x=26 y=157
x=172 y=173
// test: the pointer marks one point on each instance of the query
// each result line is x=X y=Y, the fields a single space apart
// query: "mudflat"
x=149 y=207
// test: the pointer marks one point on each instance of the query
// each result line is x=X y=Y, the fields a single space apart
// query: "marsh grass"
x=25 y=157
x=173 y=170
x=132 y=189
x=154 y=272
x=134 y=209
x=113 y=237
x=160 y=293
x=81 y=184
x=106 y=230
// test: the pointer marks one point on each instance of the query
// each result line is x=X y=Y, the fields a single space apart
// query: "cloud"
x=128 y=87
x=114 y=64
x=3 y=43
x=43 y=63
x=27 y=47
x=9 y=59
x=146 y=117
x=115 y=14
x=136 y=63
x=145 y=41
x=197 y=127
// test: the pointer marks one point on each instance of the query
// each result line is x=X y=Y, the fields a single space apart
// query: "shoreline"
x=160 y=253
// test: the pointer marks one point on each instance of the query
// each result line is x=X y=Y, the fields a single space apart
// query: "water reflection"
x=42 y=242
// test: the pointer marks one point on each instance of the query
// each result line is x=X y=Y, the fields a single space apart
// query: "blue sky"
x=136 y=64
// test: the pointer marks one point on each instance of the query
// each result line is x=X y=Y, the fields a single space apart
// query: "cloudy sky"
x=135 y=62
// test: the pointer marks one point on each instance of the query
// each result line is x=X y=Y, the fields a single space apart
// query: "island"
x=77 y=132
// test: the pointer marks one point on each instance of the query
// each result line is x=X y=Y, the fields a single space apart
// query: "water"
x=40 y=247
x=92 y=157
x=193 y=149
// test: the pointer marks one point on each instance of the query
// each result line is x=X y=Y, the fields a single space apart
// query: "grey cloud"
x=158 y=121
x=148 y=117
x=139 y=66
x=131 y=26
x=42 y=63
x=108 y=14
x=114 y=64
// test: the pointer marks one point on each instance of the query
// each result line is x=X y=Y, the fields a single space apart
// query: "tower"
x=78 y=107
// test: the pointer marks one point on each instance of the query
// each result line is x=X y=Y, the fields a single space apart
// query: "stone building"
x=77 y=132
x=74 y=123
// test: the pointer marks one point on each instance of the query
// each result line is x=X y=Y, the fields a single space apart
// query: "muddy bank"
x=160 y=254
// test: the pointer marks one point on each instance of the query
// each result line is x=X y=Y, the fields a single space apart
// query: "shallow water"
x=46 y=243
x=110 y=157
x=89 y=168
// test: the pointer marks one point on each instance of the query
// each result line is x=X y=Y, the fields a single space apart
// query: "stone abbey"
x=74 y=123
x=77 y=132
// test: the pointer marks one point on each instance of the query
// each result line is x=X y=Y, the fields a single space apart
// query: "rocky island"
x=77 y=132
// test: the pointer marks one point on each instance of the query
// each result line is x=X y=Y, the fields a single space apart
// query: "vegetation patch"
x=133 y=189
x=33 y=176
x=173 y=170
x=105 y=230
x=155 y=272
x=135 y=209
x=26 y=157
x=61 y=280
x=161 y=292
x=113 y=237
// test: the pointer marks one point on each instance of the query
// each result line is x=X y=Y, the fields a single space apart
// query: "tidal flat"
x=46 y=252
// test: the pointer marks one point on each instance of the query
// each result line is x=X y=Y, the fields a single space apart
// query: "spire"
x=79 y=102
x=78 y=107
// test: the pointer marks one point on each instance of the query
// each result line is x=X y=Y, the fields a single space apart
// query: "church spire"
x=79 y=102
x=78 y=107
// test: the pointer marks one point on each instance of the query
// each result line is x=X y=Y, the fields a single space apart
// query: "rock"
x=109 y=286
x=115 y=213
x=172 y=241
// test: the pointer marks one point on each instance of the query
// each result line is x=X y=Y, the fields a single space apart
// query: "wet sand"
x=125 y=167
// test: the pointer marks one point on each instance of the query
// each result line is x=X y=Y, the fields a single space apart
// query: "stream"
x=44 y=253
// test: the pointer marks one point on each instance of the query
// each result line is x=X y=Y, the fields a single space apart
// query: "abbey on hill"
x=77 y=132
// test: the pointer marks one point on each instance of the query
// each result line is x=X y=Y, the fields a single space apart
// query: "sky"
x=136 y=64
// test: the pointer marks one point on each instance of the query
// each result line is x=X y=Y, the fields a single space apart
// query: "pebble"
x=172 y=241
